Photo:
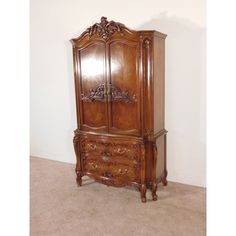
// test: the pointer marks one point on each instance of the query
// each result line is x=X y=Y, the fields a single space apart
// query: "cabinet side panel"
x=159 y=84
x=160 y=156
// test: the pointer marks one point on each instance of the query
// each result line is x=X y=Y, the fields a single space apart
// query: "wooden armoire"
x=120 y=138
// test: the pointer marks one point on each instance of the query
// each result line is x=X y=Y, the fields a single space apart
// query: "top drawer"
x=110 y=147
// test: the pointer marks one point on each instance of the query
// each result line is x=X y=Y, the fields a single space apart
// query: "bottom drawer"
x=112 y=170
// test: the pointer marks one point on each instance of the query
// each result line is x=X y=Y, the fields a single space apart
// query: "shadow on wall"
x=185 y=97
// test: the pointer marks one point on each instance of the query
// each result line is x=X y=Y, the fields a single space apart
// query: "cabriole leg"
x=154 y=179
x=143 y=187
x=164 y=179
x=154 y=191
x=143 y=192
x=78 y=162
x=78 y=178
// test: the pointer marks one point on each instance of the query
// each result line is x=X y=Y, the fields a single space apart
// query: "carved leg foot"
x=143 y=192
x=154 y=190
x=78 y=178
x=164 y=179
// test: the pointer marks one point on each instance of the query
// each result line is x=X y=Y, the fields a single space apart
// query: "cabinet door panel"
x=124 y=108
x=93 y=81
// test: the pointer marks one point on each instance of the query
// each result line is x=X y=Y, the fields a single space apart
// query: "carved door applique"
x=111 y=92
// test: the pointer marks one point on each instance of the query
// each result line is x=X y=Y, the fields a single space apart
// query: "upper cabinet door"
x=92 y=87
x=124 y=87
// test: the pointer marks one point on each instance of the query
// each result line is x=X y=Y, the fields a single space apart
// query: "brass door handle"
x=122 y=172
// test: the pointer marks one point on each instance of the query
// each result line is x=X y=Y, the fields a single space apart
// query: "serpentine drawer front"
x=120 y=139
x=112 y=158
x=112 y=148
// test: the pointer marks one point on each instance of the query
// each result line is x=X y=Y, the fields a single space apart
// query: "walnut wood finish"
x=120 y=138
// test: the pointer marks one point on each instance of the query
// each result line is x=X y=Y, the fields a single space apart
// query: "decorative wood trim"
x=97 y=94
x=116 y=149
x=113 y=93
x=112 y=181
x=105 y=29
x=148 y=100
x=118 y=95
x=154 y=181
x=143 y=167
x=107 y=135
x=147 y=43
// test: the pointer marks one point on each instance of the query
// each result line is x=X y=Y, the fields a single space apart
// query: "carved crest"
x=105 y=28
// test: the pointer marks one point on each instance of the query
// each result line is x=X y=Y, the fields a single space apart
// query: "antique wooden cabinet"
x=120 y=139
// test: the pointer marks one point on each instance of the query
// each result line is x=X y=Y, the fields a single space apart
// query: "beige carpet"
x=59 y=207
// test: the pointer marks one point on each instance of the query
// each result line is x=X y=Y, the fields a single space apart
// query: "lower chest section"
x=115 y=161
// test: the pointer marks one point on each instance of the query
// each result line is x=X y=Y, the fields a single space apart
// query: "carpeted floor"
x=59 y=207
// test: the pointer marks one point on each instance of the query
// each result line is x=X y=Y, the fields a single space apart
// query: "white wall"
x=53 y=117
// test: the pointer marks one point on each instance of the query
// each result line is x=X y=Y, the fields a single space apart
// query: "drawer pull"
x=92 y=146
x=93 y=165
x=120 y=172
x=121 y=151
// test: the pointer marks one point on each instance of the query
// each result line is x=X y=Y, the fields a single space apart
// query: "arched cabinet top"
x=107 y=30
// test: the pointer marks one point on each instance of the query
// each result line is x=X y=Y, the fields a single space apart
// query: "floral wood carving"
x=119 y=95
x=105 y=29
x=114 y=94
x=96 y=94
x=147 y=42
x=109 y=149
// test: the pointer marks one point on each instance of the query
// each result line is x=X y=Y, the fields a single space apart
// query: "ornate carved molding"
x=76 y=139
x=147 y=42
x=105 y=29
x=119 y=95
x=113 y=93
x=96 y=94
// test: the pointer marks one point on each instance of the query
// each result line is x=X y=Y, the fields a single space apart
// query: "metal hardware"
x=93 y=165
x=122 y=172
x=92 y=146
x=121 y=151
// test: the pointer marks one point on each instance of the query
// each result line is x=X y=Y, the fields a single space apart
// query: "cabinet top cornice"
x=105 y=29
